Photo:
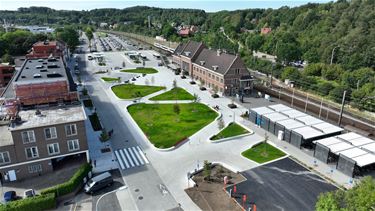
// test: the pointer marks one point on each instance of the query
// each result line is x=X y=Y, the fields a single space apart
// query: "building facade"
x=6 y=74
x=214 y=69
x=45 y=49
x=37 y=140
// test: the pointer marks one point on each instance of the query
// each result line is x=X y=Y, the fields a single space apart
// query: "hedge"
x=37 y=203
x=72 y=184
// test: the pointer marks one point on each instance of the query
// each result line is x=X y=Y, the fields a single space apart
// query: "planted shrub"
x=36 y=203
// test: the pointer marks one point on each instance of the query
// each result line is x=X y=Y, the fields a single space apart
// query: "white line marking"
x=129 y=159
x=119 y=160
x=139 y=158
x=124 y=158
x=142 y=154
x=133 y=156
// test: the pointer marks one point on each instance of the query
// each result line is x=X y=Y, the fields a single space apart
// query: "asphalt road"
x=282 y=185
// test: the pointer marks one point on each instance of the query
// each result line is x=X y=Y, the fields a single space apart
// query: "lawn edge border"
x=121 y=70
x=251 y=132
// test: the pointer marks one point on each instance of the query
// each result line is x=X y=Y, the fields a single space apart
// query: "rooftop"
x=279 y=107
x=188 y=49
x=49 y=116
x=308 y=132
x=290 y=123
x=6 y=137
x=41 y=70
x=218 y=62
x=293 y=113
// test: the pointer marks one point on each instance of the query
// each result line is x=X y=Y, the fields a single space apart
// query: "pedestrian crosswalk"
x=131 y=157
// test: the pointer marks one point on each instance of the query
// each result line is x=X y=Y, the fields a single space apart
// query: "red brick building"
x=46 y=49
x=6 y=74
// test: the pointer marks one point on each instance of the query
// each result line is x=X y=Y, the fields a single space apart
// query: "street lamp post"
x=118 y=189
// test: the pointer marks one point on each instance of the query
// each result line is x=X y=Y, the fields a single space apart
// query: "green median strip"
x=262 y=153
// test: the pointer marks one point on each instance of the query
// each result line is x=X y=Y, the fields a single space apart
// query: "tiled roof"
x=188 y=49
x=218 y=63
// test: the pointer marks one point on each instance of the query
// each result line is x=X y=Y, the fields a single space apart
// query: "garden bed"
x=95 y=122
x=209 y=195
x=109 y=79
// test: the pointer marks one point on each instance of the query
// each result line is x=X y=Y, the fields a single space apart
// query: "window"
x=237 y=71
x=71 y=130
x=32 y=152
x=73 y=145
x=235 y=81
x=50 y=133
x=35 y=168
x=4 y=157
x=221 y=80
x=53 y=149
x=28 y=136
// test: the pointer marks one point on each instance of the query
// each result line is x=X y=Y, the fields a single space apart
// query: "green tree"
x=254 y=42
x=314 y=69
x=176 y=108
x=332 y=72
x=291 y=73
x=206 y=170
x=89 y=33
x=69 y=35
x=287 y=52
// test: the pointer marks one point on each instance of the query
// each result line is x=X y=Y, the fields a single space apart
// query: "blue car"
x=10 y=196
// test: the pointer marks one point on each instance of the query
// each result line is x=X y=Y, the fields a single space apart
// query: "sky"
x=207 y=5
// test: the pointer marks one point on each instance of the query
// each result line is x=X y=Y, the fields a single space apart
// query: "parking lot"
x=282 y=185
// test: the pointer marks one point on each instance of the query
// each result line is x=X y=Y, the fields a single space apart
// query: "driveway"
x=282 y=185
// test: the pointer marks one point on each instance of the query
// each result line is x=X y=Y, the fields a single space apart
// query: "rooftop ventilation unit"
x=187 y=53
x=44 y=70
x=54 y=75
x=40 y=60
x=215 y=67
x=37 y=75
x=202 y=62
x=52 y=66
x=23 y=76
x=51 y=59
x=39 y=66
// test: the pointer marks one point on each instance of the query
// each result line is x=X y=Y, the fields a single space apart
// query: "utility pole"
x=273 y=65
x=342 y=107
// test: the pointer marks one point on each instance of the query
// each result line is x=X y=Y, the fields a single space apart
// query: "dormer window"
x=187 y=53
x=215 y=67
x=202 y=62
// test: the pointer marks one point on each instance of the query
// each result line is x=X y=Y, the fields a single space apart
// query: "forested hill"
x=308 y=32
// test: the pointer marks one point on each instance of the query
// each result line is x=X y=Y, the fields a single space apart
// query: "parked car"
x=10 y=196
x=98 y=182
x=29 y=193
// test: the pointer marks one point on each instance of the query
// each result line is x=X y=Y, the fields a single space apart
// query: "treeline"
x=19 y=42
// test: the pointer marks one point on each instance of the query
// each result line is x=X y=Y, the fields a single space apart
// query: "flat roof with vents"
x=41 y=70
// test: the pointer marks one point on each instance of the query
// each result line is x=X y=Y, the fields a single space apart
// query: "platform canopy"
x=328 y=141
x=353 y=152
x=336 y=148
x=309 y=120
x=290 y=123
x=364 y=160
x=293 y=113
x=369 y=147
x=263 y=110
x=279 y=107
x=308 y=132
x=327 y=128
x=349 y=136
x=275 y=117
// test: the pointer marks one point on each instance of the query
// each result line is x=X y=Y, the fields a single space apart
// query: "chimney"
x=218 y=52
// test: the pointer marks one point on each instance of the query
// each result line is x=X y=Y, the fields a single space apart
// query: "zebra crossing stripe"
x=139 y=158
x=133 y=156
x=128 y=157
x=119 y=160
x=142 y=154
x=124 y=158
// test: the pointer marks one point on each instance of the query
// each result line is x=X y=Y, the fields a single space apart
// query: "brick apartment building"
x=213 y=68
x=41 y=120
x=6 y=74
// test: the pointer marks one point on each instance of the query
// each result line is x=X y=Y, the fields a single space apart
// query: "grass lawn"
x=233 y=129
x=141 y=70
x=263 y=153
x=174 y=94
x=164 y=127
x=95 y=123
x=109 y=79
x=129 y=91
x=88 y=103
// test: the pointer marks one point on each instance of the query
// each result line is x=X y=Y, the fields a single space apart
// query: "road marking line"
x=119 y=160
x=129 y=159
x=133 y=156
x=142 y=154
x=124 y=158
x=139 y=158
